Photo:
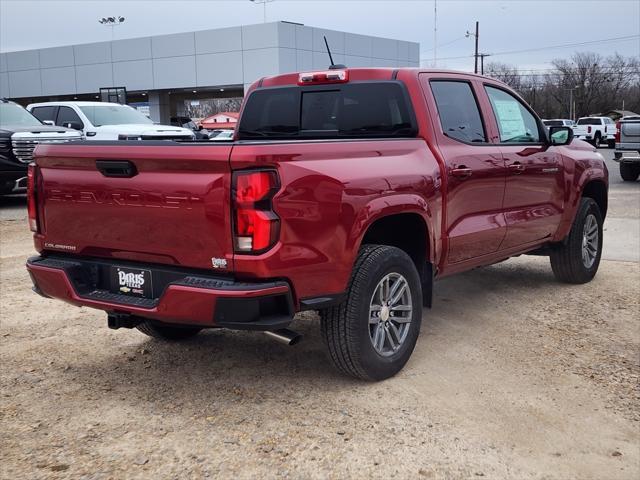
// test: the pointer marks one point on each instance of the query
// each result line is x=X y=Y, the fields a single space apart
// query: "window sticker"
x=510 y=118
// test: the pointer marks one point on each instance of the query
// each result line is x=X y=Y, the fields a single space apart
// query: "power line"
x=517 y=74
x=440 y=45
x=552 y=47
x=566 y=45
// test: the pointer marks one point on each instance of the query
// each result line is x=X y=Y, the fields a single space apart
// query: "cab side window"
x=44 y=113
x=515 y=121
x=458 y=111
x=68 y=115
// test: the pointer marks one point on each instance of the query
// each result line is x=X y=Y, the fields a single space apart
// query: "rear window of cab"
x=354 y=110
x=589 y=121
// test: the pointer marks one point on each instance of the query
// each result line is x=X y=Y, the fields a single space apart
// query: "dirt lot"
x=514 y=376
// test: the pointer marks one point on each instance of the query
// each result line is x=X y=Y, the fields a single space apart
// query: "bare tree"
x=596 y=84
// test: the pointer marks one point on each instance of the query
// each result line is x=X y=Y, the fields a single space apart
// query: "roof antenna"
x=333 y=66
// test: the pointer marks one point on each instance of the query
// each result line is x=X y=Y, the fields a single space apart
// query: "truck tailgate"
x=166 y=204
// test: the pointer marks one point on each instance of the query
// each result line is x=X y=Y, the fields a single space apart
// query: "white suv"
x=106 y=121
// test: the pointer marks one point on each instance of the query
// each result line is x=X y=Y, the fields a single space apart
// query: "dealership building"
x=169 y=73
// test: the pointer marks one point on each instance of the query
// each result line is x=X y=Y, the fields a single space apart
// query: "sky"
x=505 y=25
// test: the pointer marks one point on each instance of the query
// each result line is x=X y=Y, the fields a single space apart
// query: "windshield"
x=100 y=115
x=553 y=123
x=12 y=114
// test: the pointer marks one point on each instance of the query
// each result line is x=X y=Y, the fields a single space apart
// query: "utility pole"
x=469 y=34
x=482 y=55
x=435 y=32
x=572 y=103
x=476 y=54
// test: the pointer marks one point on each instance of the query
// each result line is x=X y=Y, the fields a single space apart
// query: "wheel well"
x=406 y=231
x=597 y=190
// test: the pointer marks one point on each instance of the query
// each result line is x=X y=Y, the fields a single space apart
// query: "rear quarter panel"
x=331 y=193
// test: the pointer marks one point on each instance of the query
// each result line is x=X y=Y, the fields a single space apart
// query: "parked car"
x=628 y=147
x=348 y=191
x=223 y=136
x=558 y=122
x=220 y=120
x=20 y=132
x=106 y=121
x=596 y=130
x=186 y=122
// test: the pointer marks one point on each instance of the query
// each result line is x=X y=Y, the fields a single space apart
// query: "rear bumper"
x=184 y=297
x=627 y=156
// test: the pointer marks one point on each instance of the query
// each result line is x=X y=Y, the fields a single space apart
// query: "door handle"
x=461 y=172
x=116 y=168
x=516 y=168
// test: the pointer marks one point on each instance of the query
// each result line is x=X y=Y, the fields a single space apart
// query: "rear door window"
x=365 y=109
x=458 y=111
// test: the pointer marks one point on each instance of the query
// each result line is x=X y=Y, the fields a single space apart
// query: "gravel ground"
x=514 y=376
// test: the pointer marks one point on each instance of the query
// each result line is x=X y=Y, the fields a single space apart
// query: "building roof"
x=622 y=113
x=218 y=58
x=80 y=104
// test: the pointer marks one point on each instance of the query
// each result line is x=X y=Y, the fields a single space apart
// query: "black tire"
x=611 y=143
x=346 y=328
x=566 y=259
x=629 y=172
x=167 y=332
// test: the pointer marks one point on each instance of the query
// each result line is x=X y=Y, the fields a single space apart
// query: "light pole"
x=111 y=22
x=264 y=7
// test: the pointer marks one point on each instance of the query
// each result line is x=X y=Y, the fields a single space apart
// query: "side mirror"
x=49 y=122
x=560 y=135
x=200 y=127
x=74 y=125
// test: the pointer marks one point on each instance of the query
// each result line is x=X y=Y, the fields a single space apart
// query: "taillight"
x=256 y=226
x=329 y=76
x=589 y=129
x=617 y=135
x=32 y=208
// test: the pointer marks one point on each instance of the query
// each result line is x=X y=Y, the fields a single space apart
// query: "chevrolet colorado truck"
x=346 y=191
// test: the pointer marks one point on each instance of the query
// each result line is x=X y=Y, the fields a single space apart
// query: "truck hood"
x=145 y=129
x=36 y=129
x=578 y=144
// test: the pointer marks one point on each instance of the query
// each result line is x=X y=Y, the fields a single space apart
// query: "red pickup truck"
x=347 y=191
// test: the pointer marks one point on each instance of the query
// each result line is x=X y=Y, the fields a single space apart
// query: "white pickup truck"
x=627 y=152
x=106 y=121
x=596 y=130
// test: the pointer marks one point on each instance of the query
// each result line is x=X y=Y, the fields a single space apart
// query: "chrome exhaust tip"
x=286 y=336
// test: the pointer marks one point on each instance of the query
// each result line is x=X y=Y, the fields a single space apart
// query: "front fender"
x=578 y=174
